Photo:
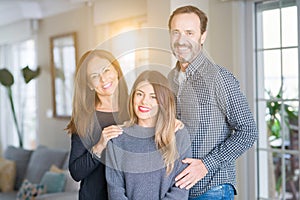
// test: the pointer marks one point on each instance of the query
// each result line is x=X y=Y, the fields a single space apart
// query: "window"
x=14 y=57
x=277 y=62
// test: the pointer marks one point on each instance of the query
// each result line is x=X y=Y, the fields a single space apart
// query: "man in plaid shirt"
x=212 y=107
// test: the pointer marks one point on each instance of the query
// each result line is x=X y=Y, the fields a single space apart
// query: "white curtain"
x=7 y=129
x=14 y=57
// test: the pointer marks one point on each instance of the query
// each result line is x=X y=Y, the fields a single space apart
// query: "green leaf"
x=6 y=78
x=29 y=74
x=278 y=184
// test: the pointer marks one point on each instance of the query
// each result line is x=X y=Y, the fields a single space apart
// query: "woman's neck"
x=107 y=104
x=150 y=122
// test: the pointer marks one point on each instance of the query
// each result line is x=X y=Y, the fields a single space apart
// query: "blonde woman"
x=142 y=163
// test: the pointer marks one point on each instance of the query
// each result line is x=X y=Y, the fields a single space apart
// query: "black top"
x=87 y=168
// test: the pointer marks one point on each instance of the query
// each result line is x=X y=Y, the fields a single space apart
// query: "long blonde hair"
x=85 y=99
x=165 y=139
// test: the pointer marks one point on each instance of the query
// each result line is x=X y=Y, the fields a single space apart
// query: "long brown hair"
x=85 y=99
x=165 y=124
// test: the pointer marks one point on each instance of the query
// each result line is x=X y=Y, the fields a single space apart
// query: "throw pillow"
x=56 y=169
x=54 y=182
x=7 y=175
x=21 y=157
x=71 y=185
x=29 y=191
x=41 y=160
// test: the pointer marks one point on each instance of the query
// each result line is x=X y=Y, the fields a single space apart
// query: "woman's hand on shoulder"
x=178 y=125
x=107 y=134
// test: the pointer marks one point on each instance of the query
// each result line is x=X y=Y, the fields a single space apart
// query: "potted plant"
x=275 y=109
x=278 y=113
x=7 y=80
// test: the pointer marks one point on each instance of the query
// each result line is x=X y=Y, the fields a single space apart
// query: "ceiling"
x=12 y=11
x=15 y=10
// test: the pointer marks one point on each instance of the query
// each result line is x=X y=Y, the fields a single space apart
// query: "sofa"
x=40 y=174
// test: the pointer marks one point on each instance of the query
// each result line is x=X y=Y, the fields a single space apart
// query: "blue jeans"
x=220 y=192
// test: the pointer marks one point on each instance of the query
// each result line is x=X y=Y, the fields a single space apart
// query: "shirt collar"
x=196 y=64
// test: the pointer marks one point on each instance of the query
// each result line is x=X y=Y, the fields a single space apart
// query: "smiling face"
x=186 y=37
x=102 y=76
x=145 y=104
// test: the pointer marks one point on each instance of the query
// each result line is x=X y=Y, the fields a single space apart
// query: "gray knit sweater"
x=135 y=169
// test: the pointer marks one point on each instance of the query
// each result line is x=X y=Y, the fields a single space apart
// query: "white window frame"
x=263 y=168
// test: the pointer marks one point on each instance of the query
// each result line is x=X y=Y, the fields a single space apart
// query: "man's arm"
x=240 y=121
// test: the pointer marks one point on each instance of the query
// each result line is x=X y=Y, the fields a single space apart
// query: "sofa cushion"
x=71 y=185
x=21 y=157
x=58 y=196
x=8 y=195
x=7 y=175
x=54 y=182
x=66 y=162
x=41 y=160
x=29 y=191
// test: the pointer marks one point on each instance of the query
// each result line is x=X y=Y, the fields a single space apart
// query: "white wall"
x=51 y=130
x=16 y=32
x=107 y=11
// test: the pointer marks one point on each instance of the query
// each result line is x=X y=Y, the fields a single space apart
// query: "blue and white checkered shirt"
x=218 y=118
